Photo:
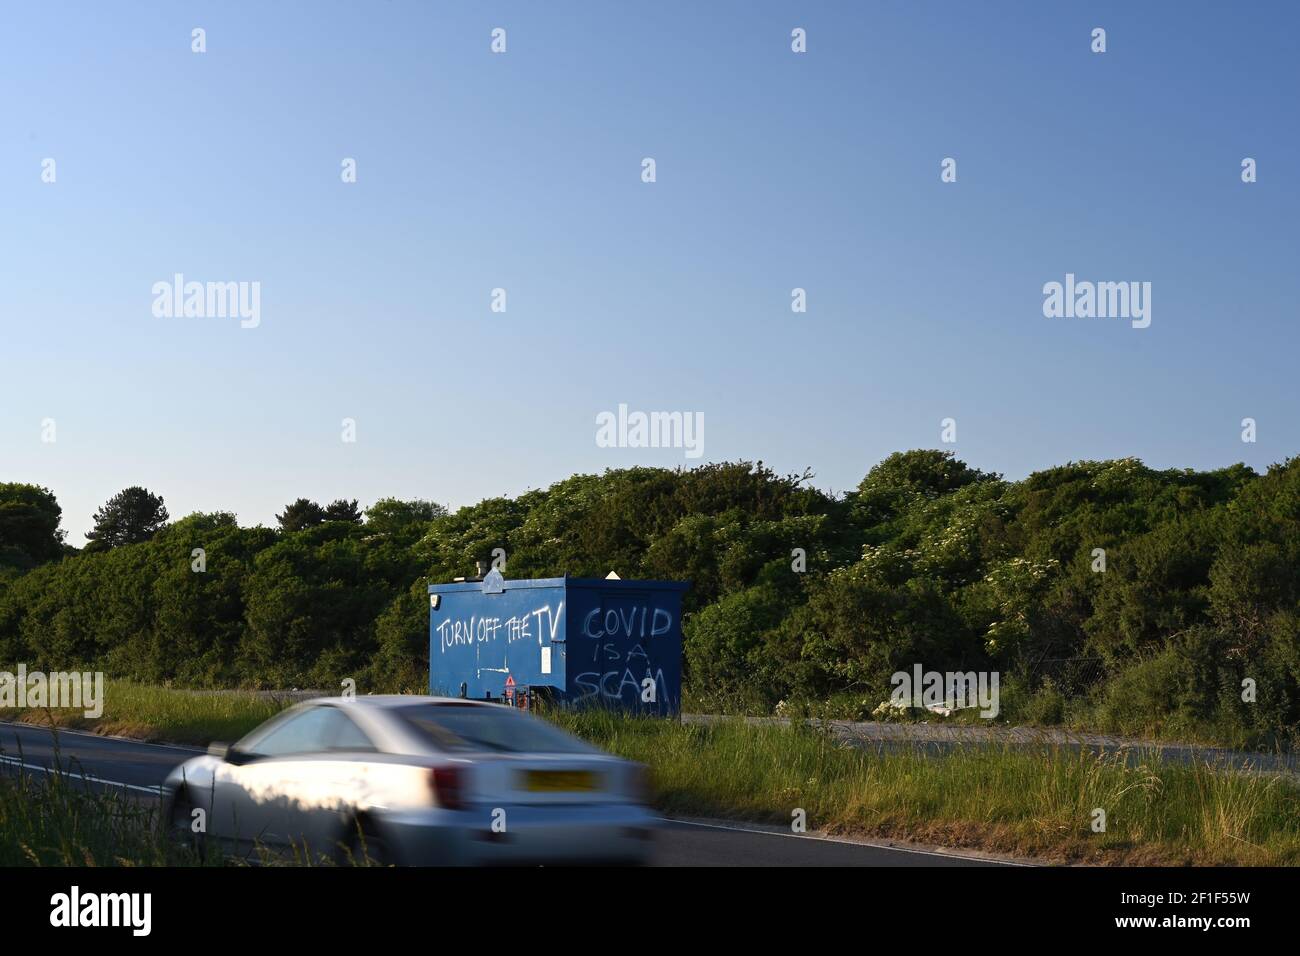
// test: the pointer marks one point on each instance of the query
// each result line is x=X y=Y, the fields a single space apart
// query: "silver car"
x=413 y=781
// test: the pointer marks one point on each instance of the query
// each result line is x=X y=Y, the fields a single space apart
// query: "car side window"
x=315 y=730
x=349 y=736
x=301 y=733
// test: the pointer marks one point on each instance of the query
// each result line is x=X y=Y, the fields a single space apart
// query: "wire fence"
x=1070 y=675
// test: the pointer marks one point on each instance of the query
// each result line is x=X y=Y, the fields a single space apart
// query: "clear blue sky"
x=522 y=171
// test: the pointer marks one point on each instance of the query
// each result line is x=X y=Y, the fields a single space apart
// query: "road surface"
x=139 y=768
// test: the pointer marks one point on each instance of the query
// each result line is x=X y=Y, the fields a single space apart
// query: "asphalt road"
x=139 y=768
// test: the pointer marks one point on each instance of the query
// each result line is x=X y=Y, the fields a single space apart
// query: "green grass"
x=60 y=820
x=158 y=713
x=1014 y=800
x=1023 y=801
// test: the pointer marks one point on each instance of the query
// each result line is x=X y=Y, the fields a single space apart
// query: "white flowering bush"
x=1011 y=589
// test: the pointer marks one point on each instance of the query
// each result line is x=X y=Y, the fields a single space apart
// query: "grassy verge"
x=57 y=820
x=1028 y=801
x=1024 y=801
x=158 y=713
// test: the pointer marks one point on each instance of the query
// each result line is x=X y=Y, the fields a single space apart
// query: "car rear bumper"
x=524 y=835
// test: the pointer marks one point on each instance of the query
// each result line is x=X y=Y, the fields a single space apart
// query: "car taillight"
x=448 y=785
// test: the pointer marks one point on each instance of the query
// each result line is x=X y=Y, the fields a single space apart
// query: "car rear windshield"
x=483 y=727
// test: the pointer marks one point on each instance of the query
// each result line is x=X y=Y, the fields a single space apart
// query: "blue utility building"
x=584 y=641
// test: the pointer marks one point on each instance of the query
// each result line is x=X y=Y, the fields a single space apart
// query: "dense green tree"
x=131 y=516
x=729 y=645
x=797 y=595
x=908 y=477
x=407 y=520
x=301 y=514
x=29 y=526
x=401 y=661
x=343 y=510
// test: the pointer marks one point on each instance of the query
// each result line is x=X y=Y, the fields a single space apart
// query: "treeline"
x=1179 y=591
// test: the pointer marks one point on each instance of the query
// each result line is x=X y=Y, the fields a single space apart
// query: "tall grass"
x=1039 y=800
x=158 y=713
x=61 y=819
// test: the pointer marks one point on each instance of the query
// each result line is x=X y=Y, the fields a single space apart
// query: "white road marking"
x=15 y=762
x=865 y=843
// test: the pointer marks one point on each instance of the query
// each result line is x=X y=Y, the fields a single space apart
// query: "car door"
x=283 y=788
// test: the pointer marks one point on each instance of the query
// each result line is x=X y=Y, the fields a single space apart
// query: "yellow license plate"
x=561 y=781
